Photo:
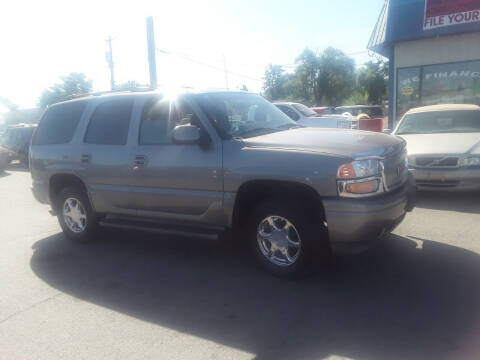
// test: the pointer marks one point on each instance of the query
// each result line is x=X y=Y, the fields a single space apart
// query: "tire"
x=309 y=237
x=83 y=224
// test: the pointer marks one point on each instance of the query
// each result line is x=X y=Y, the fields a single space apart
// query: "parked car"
x=15 y=142
x=322 y=110
x=208 y=163
x=307 y=117
x=443 y=144
x=370 y=118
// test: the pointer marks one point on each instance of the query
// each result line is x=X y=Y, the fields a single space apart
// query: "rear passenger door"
x=106 y=156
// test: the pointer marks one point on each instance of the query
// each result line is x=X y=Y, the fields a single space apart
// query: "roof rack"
x=99 y=93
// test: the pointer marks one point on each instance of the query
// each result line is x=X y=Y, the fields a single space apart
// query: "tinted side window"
x=59 y=123
x=109 y=123
x=289 y=112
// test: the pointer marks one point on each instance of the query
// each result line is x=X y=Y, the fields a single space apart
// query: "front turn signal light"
x=364 y=187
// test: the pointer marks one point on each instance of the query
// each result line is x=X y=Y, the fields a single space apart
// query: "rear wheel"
x=286 y=240
x=75 y=215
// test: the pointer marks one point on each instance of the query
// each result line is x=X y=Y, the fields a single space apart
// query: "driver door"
x=175 y=181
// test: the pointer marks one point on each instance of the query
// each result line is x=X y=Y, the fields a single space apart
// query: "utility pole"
x=152 y=62
x=109 y=57
x=225 y=70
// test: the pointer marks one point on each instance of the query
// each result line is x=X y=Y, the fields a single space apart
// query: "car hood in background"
x=323 y=122
x=345 y=143
x=445 y=143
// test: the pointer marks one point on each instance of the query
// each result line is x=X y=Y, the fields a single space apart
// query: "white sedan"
x=307 y=117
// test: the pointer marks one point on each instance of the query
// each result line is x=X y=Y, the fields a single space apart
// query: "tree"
x=373 y=81
x=72 y=85
x=128 y=85
x=336 y=77
x=8 y=104
x=307 y=74
x=274 y=81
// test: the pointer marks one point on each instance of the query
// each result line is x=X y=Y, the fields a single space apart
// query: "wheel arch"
x=252 y=192
x=57 y=182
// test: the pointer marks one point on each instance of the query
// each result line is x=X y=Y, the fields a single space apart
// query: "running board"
x=161 y=228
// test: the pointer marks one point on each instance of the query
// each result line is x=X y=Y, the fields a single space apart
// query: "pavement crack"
x=30 y=307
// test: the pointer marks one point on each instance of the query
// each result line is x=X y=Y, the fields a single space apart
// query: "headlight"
x=359 y=178
x=470 y=162
x=359 y=169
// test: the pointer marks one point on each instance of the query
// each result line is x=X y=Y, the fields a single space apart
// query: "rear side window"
x=59 y=123
x=289 y=112
x=109 y=123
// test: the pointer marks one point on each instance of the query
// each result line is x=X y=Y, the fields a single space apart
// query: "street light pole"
x=152 y=63
x=109 y=56
x=225 y=71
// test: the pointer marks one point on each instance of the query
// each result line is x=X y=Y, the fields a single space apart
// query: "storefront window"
x=454 y=83
x=408 y=90
x=457 y=83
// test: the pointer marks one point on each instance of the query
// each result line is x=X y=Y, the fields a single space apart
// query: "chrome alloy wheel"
x=278 y=240
x=74 y=215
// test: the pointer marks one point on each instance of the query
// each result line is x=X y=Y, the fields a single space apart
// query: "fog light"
x=365 y=187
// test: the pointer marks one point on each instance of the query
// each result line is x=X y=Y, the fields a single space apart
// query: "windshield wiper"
x=290 y=126
x=262 y=129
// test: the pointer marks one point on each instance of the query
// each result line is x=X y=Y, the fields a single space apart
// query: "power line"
x=189 y=58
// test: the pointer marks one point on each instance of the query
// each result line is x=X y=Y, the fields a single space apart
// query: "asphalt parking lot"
x=138 y=296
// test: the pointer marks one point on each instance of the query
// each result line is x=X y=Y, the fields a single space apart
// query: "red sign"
x=440 y=13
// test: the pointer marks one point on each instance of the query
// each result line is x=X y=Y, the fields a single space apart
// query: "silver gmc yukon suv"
x=205 y=163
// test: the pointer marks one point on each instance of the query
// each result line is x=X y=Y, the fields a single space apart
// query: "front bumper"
x=447 y=179
x=354 y=224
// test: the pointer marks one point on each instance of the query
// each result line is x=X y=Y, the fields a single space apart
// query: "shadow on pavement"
x=17 y=166
x=397 y=301
x=468 y=202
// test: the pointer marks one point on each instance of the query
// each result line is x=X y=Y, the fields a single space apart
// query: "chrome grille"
x=395 y=170
x=436 y=161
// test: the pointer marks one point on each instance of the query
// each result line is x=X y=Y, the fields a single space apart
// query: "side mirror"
x=387 y=131
x=186 y=134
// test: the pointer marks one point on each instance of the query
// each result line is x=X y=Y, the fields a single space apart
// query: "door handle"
x=85 y=158
x=140 y=160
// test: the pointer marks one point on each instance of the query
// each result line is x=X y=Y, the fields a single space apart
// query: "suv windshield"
x=455 y=121
x=243 y=115
x=305 y=111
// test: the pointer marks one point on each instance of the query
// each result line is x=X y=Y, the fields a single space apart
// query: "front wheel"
x=75 y=215
x=286 y=240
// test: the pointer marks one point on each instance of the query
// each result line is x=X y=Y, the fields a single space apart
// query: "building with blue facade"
x=433 y=47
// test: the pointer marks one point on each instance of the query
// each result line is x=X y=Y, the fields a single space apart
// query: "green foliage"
x=327 y=78
x=72 y=85
x=307 y=73
x=274 y=82
x=128 y=85
x=336 y=77
x=373 y=81
x=8 y=104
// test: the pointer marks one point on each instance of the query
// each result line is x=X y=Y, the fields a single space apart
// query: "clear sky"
x=43 y=40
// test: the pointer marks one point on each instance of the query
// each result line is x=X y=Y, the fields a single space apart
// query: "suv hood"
x=345 y=143
x=444 y=143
